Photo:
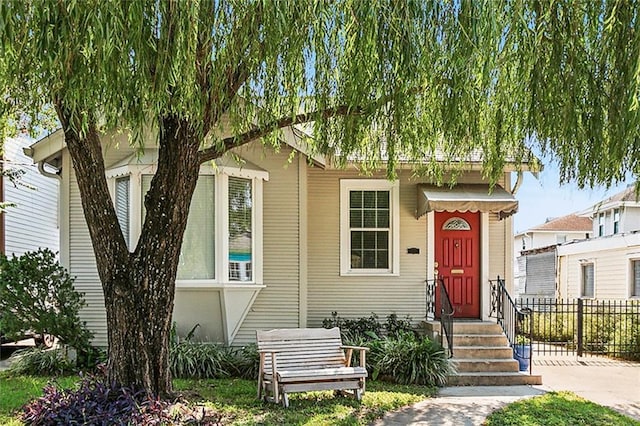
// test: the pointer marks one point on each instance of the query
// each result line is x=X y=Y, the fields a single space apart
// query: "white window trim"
x=631 y=276
x=584 y=262
x=347 y=185
x=221 y=280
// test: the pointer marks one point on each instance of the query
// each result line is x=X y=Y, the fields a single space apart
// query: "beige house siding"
x=611 y=257
x=360 y=296
x=276 y=305
x=612 y=276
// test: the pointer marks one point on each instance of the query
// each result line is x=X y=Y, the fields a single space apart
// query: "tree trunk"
x=139 y=287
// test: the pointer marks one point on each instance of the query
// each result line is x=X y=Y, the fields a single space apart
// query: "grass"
x=558 y=409
x=236 y=403
x=15 y=391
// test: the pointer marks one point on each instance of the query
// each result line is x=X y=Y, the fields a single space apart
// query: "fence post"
x=580 y=321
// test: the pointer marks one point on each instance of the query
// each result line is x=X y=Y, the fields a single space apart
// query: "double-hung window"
x=369 y=227
x=601 y=225
x=122 y=205
x=616 y=221
x=587 y=280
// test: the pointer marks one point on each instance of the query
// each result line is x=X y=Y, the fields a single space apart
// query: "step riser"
x=483 y=353
x=497 y=365
x=480 y=340
x=479 y=380
x=476 y=328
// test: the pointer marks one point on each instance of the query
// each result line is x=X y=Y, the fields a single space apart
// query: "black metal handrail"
x=446 y=316
x=445 y=310
x=515 y=321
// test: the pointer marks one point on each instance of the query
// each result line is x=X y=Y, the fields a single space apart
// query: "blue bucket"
x=522 y=353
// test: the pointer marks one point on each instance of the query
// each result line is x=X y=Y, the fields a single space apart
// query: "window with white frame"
x=223 y=238
x=587 y=280
x=369 y=227
x=616 y=221
x=600 y=224
x=122 y=205
x=240 y=229
x=635 y=278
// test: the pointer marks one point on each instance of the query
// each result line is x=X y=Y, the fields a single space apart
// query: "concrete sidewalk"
x=615 y=384
x=606 y=382
x=459 y=406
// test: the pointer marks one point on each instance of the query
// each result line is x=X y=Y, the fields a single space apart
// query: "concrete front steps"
x=483 y=357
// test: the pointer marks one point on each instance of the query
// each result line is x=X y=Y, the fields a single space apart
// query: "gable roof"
x=625 y=198
x=570 y=223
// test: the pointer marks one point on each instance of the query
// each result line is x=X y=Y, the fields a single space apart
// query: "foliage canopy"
x=407 y=81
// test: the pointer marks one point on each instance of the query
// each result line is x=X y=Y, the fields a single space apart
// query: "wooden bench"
x=307 y=359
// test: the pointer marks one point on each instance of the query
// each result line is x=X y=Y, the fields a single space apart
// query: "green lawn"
x=235 y=401
x=558 y=409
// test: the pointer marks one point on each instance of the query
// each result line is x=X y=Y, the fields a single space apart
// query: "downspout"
x=519 y=180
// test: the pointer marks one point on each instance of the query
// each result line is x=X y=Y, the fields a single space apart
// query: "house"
x=31 y=221
x=607 y=266
x=535 y=254
x=276 y=239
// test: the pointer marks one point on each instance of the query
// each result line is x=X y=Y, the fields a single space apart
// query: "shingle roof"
x=571 y=222
x=629 y=194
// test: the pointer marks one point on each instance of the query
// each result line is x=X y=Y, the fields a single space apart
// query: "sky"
x=543 y=198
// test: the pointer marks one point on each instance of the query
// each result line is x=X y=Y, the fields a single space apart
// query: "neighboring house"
x=32 y=221
x=535 y=267
x=607 y=266
x=278 y=241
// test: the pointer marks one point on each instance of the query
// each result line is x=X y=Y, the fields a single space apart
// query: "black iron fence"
x=439 y=307
x=515 y=320
x=585 y=327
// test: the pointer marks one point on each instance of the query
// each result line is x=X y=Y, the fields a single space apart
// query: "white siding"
x=611 y=257
x=82 y=265
x=33 y=223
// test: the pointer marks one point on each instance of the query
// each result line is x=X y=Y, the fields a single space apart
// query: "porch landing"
x=482 y=355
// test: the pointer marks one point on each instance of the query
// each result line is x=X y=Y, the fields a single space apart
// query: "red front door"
x=457 y=260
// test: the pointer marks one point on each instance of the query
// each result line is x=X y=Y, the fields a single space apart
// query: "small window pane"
x=369 y=259
x=383 y=199
x=355 y=198
x=382 y=240
x=369 y=219
x=355 y=218
x=383 y=218
x=356 y=240
x=369 y=199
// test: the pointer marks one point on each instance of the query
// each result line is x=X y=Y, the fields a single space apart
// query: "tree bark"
x=139 y=287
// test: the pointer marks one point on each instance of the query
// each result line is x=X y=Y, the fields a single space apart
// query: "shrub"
x=37 y=294
x=409 y=359
x=96 y=403
x=39 y=362
x=202 y=360
x=247 y=362
x=395 y=326
x=357 y=330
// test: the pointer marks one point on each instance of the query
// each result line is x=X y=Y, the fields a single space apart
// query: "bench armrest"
x=358 y=348
x=350 y=349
